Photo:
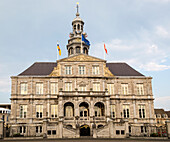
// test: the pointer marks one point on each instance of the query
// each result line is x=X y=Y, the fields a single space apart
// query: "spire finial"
x=77 y=14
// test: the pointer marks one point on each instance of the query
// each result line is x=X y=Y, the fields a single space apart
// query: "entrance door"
x=84 y=130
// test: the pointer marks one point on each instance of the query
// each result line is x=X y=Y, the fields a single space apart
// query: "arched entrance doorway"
x=84 y=130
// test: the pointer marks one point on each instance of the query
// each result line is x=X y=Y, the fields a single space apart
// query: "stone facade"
x=84 y=103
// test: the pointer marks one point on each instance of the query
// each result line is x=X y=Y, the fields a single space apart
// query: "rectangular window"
x=68 y=86
x=22 y=129
x=54 y=111
x=39 y=88
x=23 y=111
x=68 y=69
x=122 y=132
x=49 y=132
x=130 y=129
x=24 y=88
x=82 y=88
x=96 y=86
x=95 y=70
x=117 y=132
x=141 y=111
x=38 y=129
x=54 y=132
x=39 y=111
x=126 y=111
x=143 y=129
x=81 y=70
x=113 y=111
x=110 y=88
x=124 y=89
x=140 y=89
x=54 y=88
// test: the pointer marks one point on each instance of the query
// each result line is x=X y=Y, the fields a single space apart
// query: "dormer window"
x=68 y=70
x=95 y=70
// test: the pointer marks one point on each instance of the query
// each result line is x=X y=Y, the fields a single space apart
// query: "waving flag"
x=105 y=48
x=59 y=50
x=85 y=40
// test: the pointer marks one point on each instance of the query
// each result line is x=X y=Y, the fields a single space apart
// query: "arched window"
x=69 y=109
x=74 y=27
x=99 y=109
x=85 y=51
x=82 y=27
x=77 y=49
x=78 y=27
x=69 y=126
x=70 y=51
x=100 y=126
x=84 y=109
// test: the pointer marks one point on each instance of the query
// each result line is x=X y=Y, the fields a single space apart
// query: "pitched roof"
x=159 y=111
x=45 y=68
x=39 y=68
x=122 y=69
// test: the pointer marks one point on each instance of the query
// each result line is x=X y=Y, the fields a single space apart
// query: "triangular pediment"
x=81 y=58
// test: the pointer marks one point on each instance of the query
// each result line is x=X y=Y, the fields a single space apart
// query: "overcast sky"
x=134 y=31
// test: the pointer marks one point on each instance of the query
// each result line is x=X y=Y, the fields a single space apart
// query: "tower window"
x=82 y=27
x=78 y=27
x=85 y=50
x=70 y=51
x=74 y=27
x=77 y=49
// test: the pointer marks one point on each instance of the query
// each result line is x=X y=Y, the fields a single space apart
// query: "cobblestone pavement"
x=88 y=140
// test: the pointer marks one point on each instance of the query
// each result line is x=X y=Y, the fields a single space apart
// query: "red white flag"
x=105 y=48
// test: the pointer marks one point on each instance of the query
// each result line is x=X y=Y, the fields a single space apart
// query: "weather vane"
x=77 y=7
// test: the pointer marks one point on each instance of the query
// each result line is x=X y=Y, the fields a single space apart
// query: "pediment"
x=81 y=58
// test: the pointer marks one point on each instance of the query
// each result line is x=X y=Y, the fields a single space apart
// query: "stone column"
x=1 y=128
x=60 y=125
x=168 y=128
x=111 y=130
x=94 y=130
x=44 y=128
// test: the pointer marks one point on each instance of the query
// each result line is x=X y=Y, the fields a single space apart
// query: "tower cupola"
x=75 y=44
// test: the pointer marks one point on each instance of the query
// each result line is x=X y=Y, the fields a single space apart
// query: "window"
x=74 y=27
x=95 y=70
x=130 y=129
x=141 y=111
x=22 y=129
x=54 y=88
x=39 y=88
x=77 y=49
x=140 y=89
x=68 y=86
x=117 y=132
x=54 y=111
x=69 y=111
x=24 y=88
x=81 y=69
x=124 y=89
x=49 y=132
x=126 y=111
x=39 y=111
x=82 y=88
x=85 y=51
x=23 y=111
x=143 y=129
x=38 y=129
x=99 y=109
x=68 y=70
x=54 y=132
x=113 y=111
x=71 y=51
x=96 y=86
x=122 y=132
x=110 y=88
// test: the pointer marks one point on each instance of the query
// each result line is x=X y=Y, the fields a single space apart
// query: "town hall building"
x=81 y=95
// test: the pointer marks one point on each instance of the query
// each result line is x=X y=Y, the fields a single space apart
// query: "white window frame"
x=112 y=110
x=54 y=111
x=110 y=88
x=39 y=109
x=82 y=88
x=140 y=89
x=23 y=111
x=95 y=69
x=39 y=88
x=68 y=69
x=82 y=69
x=54 y=87
x=142 y=111
x=96 y=86
x=39 y=128
x=24 y=88
x=68 y=86
x=126 y=111
x=124 y=89
x=22 y=129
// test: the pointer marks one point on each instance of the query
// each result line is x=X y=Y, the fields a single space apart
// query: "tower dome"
x=75 y=44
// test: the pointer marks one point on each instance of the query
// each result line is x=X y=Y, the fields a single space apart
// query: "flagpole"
x=57 y=51
x=81 y=43
x=104 y=51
